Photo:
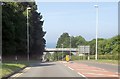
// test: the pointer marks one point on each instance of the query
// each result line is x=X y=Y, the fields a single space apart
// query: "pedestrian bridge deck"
x=61 y=49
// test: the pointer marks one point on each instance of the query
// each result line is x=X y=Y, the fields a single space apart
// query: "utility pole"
x=62 y=52
x=96 y=53
x=70 y=47
x=28 y=57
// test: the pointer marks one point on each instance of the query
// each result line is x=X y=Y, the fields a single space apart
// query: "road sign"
x=87 y=49
x=84 y=49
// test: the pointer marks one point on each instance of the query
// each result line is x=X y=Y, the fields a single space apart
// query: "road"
x=94 y=69
x=47 y=69
x=68 y=70
x=106 y=66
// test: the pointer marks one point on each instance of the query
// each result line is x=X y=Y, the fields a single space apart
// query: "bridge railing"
x=61 y=49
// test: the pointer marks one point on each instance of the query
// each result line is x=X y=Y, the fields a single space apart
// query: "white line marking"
x=70 y=68
x=28 y=68
x=82 y=75
x=116 y=72
x=18 y=74
x=99 y=74
x=14 y=75
x=81 y=69
x=91 y=73
x=114 y=75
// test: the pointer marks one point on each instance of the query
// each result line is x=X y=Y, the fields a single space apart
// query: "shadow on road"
x=41 y=64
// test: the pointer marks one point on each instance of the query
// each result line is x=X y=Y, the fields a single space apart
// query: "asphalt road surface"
x=109 y=67
x=47 y=69
x=93 y=69
x=68 y=70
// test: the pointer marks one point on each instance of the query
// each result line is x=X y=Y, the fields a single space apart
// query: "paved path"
x=89 y=69
x=106 y=66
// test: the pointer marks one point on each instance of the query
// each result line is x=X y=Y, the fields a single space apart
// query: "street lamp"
x=96 y=6
x=62 y=52
x=28 y=8
x=70 y=47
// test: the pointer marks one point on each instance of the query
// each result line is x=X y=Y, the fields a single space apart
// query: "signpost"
x=84 y=50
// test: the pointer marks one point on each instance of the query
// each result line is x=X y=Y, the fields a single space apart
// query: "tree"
x=37 y=43
x=76 y=41
x=14 y=29
x=63 y=39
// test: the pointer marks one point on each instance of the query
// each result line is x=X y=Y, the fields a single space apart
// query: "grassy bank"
x=8 y=68
x=101 y=59
x=108 y=61
x=115 y=62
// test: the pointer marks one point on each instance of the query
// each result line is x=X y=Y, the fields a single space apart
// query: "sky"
x=78 y=18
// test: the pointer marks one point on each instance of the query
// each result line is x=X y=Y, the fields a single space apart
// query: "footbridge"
x=80 y=49
x=61 y=49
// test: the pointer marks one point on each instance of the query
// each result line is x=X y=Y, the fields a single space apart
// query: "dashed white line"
x=82 y=75
x=70 y=68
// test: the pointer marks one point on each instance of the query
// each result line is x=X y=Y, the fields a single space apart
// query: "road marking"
x=14 y=75
x=114 y=75
x=27 y=68
x=18 y=74
x=91 y=73
x=99 y=74
x=82 y=75
x=70 y=68
x=81 y=69
x=116 y=72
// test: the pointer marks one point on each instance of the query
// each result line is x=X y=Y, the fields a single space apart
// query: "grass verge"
x=8 y=68
x=115 y=62
x=108 y=61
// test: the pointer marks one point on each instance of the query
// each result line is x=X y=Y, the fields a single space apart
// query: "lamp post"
x=70 y=47
x=28 y=57
x=96 y=56
x=62 y=52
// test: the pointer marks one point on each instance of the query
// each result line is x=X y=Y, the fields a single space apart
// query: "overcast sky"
x=78 y=18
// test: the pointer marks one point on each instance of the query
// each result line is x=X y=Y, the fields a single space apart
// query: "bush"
x=107 y=57
x=79 y=57
x=92 y=57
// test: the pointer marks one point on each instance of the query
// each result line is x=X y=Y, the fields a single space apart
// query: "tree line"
x=105 y=46
x=14 y=30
